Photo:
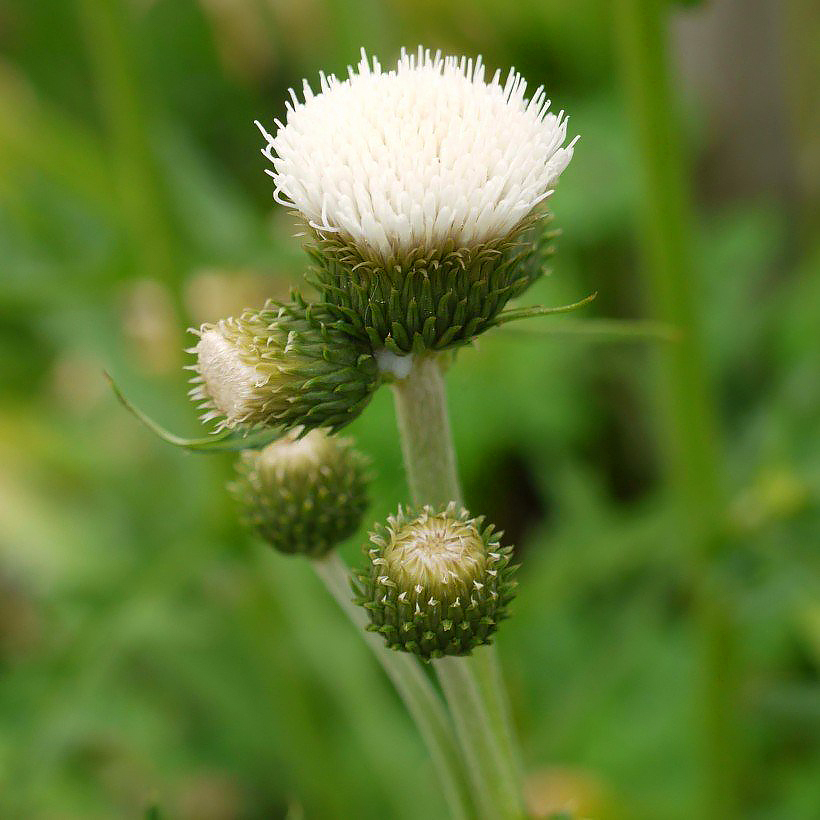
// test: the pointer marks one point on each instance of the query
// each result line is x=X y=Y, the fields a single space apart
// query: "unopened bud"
x=286 y=365
x=437 y=582
x=303 y=495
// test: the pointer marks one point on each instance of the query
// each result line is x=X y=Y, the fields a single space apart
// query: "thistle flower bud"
x=437 y=582
x=288 y=365
x=421 y=186
x=303 y=495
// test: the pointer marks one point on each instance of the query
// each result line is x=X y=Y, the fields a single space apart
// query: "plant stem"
x=488 y=674
x=415 y=689
x=691 y=425
x=473 y=687
x=426 y=438
x=479 y=742
x=122 y=93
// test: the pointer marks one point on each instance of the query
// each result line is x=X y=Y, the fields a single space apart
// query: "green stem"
x=113 y=53
x=488 y=674
x=691 y=425
x=415 y=689
x=477 y=700
x=426 y=437
x=482 y=749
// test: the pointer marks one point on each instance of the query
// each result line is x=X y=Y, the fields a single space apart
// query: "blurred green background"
x=151 y=652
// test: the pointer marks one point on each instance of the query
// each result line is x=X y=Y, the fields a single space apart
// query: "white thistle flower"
x=407 y=160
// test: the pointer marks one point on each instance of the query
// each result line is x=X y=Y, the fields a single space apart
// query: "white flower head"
x=227 y=385
x=419 y=156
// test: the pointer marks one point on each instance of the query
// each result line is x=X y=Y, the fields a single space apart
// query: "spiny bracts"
x=303 y=495
x=434 y=300
x=437 y=582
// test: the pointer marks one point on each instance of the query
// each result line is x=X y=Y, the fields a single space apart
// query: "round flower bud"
x=437 y=582
x=303 y=495
x=288 y=365
x=421 y=186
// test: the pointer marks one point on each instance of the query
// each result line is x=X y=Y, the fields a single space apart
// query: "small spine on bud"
x=303 y=495
x=287 y=365
x=437 y=582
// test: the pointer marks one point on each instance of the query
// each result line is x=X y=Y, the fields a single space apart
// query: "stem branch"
x=415 y=689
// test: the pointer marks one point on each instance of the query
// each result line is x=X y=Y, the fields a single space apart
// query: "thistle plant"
x=422 y=194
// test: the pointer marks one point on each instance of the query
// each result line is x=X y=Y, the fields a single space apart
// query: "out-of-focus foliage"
x=153 y=654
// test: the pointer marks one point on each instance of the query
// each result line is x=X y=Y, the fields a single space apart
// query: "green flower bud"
x=427 y=300
x=286 y=365
x=437 y=583
x=303 y=495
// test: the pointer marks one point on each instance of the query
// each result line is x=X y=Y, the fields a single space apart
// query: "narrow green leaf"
x=605 y=330
x=226 y=441
x=540 y=310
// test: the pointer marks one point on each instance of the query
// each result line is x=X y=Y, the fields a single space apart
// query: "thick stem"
x=473 y=686
x=415 y=689
x=426 y=438
x=483 y=749
x=691 y=426
x=488 y=674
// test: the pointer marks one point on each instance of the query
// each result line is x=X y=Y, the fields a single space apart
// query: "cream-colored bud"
x=232 y=385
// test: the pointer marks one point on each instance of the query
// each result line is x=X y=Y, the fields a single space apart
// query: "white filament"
x=407 y=159
x=225 y=382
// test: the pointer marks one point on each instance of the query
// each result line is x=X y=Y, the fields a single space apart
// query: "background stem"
x=121 y=92
x=690 y=422
x=415 y=689
x=473 y=686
